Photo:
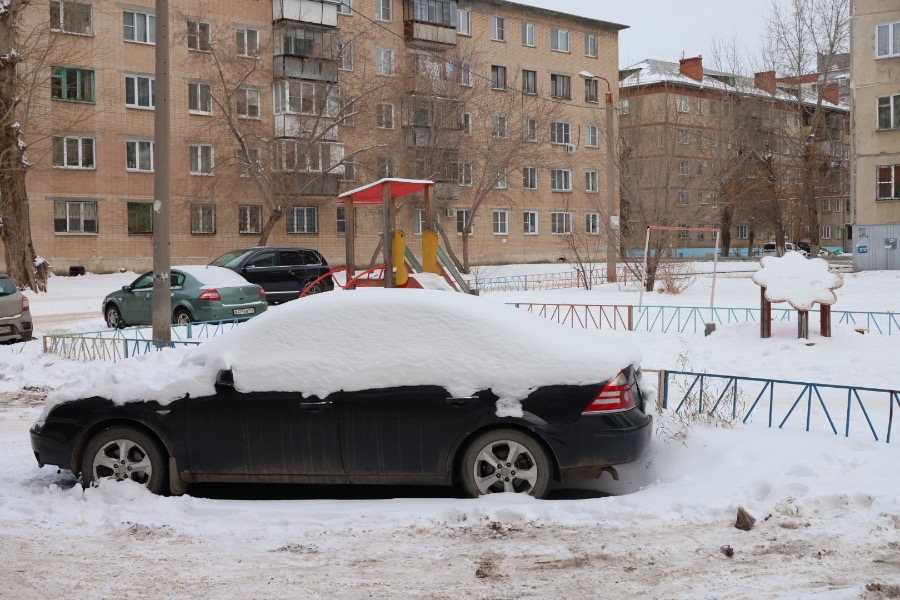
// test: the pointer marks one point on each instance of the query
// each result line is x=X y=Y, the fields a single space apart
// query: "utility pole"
x=612 y=219
x=162 y=192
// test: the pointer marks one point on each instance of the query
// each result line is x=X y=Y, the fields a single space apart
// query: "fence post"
x=662 y=390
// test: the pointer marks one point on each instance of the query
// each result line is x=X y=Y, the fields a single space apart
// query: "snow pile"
x=799 y=281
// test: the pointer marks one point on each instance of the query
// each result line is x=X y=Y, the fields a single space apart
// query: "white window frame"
x=345 y=7
x=590 y=45
x=500 y=221
x=468 y=123
x=560 y=132
x=592 y=182
x=464 y=174
x=384 y=115
x=310 y=213
x=743 y=232
x=826 y=204
x=682 y=104
x=132 y=86
x=892 y=104
x=249 y=107
x=893 y=182
x=825 y=232
x=65 y=149
x=247 y=214
x=498 y=28
x=75 y=211
x=529 y=34
x=60 y=24
x=346 y=56
x=418 y=221
x=560 y=86
x=684 y=198
x=592 y=223
x=138 y=146
x=254 y=159
x=683 y=136
x=624 y=106
x=384 y=10
x=530 y=222
x=500 y=180
x=499 y=126
x=203 y=218
x=890 y=34
x=592 y=136
x=529 y=129
x=684 y=168
x=559 y=40
x=529 y=178
x=384 y=61
x=561 y=223
x=196 y=97
x=200 y=39
x=529 y=82
x=243 y=37
x=466 y=77
x=498 y=77
x=462 y=215
x=464 y=22
x=149 y=27
x=561 y=180
x=202 y=159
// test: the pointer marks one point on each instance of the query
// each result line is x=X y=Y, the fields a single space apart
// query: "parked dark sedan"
x=466 y=390
x=282 y=272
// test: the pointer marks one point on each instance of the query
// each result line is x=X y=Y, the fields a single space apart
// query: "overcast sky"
x=667 y=29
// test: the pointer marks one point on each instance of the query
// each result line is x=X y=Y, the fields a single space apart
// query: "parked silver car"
x=15 y=316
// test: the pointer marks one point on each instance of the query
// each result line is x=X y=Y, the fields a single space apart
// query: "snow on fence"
x=793 y=405
x=545 y=281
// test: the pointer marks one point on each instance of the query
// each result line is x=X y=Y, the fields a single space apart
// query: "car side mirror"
x=126 y=288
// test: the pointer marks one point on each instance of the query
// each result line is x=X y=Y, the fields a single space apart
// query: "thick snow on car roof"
x=375 y=338
x=211 y=276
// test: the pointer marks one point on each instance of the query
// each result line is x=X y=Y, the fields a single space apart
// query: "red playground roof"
x=371 y=193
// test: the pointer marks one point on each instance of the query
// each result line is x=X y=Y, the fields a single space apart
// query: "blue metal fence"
x=828 y=400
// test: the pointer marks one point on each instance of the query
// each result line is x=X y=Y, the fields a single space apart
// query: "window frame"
x=591 y=91
x=462 y=215
x=561 y=223
x=561 y=186
x=291 y=222
x=892 y=182
x=530 y=222
x=499 y=127
x=743 y=232
x=137 y=222
x=892 y=42
x=682 y=104
x=345 y=7
x=203 y=218
x=529 y=82
x=592 y=182
x=384 y=115
x=202 y=36
x=195 y=98
x=529 y=130
x=892 y=114
x=198 y=162
x=590 y=45
x=246 y=38
x=63 y=144
x=530 y=178
x=498 y=77
x=384 y=61
x=591 y=136
x=245 y=216
x=60 y=15
x=464 y=175
x=467 y=30
x=592 y=223
x=384 y=10
x=83 y=221
x=62 y=88
x=560 y=37
x=133 y=89
x=245 y=93
x=560 y=86
x=500 y=221
x=137 y=155
x=498 y=28
x=529 y=34
x=560 y=133
x=149 y=26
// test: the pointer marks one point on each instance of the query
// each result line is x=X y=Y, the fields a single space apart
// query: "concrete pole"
x=612 y=248
x=162 y=288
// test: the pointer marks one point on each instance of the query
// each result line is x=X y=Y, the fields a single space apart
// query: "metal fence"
x=546 y=281
x=118 y=344
x=791 y=404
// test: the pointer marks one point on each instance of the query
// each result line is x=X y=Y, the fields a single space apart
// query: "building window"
x=825 y=232
x=591 y=136
x=200 y=98
x=140 y=92
x=560 y=180
x=302 y=97
x=561 y=223
x=888 y=182
x=684 y=197
x=76 y=85
x=464 y=176
x=528 y=34
x=592 y=182
x=682 y=104
x=340 y=221
x=887 y=40
x=439 y=12
x=529 y=129
x=701 y=198
x=74 y=216
x=139 y=27
x=73 y=152
x=201 y=159
x=500 y=182
x=70 y=17
x=684 y=168
x=247 y=41
x=529 y=178
x=624 y=106
x=743 y=232
x=714 y=199
x=386 y=167
x=501 y=222
x=560 y=132
x=464 y=17
x=889 y=112
x=561 y=86
x=346 y=56
x=530 y=222
x=384 y=115
x=498 y=77
x=498 y=126
x=559 y=39
x=590 y=45
x=529 y=82
x=383 y=10
x=203 y=218
x=498 y=29
x=248 y=103
x=683 y=136
x=139 y=156
x=384 y=61
x=462 y=218
x=684 y=235
x=198 y=37
x=250 y=218
x=249 y=164
x=418 y=221
x=303 y=219
x=140 y=218
x=839 y=232
x=349 y=173
x=837 y=206
x=592 y=223
x=345 y=7
x=590 y=90
x=826 y=204
x=700 y=168
x=465 y=74
x=467 y=122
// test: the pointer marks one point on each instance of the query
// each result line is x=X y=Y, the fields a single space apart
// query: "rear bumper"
x=15 y=329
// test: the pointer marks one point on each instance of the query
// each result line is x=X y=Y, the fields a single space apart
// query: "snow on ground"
x=827 y=507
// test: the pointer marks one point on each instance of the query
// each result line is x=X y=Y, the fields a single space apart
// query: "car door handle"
x=315 y=406
x=461 y=401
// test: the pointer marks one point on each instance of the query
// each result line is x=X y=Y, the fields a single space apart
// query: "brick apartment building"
x=290 y=102
x=705 y=148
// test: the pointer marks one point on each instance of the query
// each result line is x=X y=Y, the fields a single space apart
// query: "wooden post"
x=349 y=245
x=803 y=324
x=765 y=315
x=825 y=320
x=387 y=212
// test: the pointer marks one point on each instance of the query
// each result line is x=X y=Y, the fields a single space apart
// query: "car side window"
x=266 y=259
x=289 y=258
x=176 y=280
x=310 y=258
x=143 y=282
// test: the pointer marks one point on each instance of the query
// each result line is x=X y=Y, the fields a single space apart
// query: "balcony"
x=296 y=67
x=320 y=12
x=415 y=31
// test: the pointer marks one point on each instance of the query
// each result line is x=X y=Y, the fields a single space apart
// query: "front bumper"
x=52 y=445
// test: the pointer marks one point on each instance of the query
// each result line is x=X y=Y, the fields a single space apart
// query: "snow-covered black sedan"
x=363 y=386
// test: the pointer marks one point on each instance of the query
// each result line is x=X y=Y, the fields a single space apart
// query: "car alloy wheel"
x=120 y=453
x=506 y=460
x=182 y=317
x=114 y=317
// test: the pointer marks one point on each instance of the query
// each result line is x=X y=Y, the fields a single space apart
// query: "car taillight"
x=616 y=395
x=209 y=295
x=262 y=294
x=25 y=304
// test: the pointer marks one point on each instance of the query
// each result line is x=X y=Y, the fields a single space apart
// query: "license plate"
x=6 y=329
x=244 y=311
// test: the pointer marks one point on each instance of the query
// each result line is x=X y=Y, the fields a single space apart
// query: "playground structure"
x=399 y=262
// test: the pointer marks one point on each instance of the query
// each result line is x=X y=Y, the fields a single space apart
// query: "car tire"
x=119 y=453
x=113 y=317
x=182 y=316
x=497 y=460
x=316 y=289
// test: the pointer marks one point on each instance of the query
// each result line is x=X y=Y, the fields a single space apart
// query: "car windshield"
x=7 y=287
x=229 y=259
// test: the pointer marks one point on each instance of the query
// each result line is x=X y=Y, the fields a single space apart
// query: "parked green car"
x=199 y=293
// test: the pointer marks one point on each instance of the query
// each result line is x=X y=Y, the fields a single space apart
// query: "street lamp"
x=612 y=220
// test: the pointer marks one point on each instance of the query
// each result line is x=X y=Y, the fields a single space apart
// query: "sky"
x=667 y=30
x=827 y=507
